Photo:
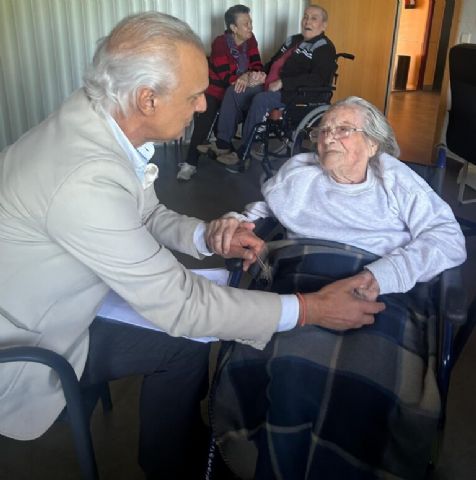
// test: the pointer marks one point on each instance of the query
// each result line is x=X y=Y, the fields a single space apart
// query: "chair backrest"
x=433 y=174
x=460 y=135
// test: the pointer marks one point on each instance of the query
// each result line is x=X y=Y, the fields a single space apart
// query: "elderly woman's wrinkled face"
x=344 y=149
x=312 y=23
x=242 y=28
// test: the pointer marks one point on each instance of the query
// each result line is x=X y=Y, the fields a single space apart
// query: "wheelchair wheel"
x=300 y=141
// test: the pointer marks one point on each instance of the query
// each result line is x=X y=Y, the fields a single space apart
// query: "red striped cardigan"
x=222 y=66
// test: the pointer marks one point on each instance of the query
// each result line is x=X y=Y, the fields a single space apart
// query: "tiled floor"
x=212 y=192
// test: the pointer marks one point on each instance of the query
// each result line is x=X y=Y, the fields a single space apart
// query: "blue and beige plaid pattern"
x=319 y=404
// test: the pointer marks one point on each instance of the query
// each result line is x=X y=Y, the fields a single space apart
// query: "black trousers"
x=172 y=441
x=201 y=127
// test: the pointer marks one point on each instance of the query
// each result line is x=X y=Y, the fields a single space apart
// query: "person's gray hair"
x=376 y=126
x=231 y=15
x=323 y=11
x=141 y=51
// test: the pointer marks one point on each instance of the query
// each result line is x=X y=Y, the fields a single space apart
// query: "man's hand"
x=336 y=306
x=275 y=86
x=231 y=238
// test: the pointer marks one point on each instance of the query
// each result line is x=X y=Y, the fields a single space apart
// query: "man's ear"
x=146 y=101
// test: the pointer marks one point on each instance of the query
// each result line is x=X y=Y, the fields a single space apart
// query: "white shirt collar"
x=139 y=157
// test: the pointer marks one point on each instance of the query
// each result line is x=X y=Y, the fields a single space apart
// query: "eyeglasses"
x=338 y=133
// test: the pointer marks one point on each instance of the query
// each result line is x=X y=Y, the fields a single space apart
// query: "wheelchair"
x=307 y=265
x=289 y=127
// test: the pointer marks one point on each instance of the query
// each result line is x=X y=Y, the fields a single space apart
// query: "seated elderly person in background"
x=234 y=60
x=363 y=403
x=304 y=60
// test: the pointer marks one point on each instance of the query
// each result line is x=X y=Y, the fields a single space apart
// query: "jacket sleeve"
x=95 y=217
x=322 y=69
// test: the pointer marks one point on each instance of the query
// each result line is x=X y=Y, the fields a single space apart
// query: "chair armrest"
x=453 y=301
x=54 y=360
x=348 y=56
x=306 y=89
x=36 y=355
x=264 y=228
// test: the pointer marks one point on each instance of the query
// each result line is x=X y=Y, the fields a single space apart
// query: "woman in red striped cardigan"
x=234 y=60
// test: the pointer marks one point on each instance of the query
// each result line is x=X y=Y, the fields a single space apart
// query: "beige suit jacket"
x=74 y=222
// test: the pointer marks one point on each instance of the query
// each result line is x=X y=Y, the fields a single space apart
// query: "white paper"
x=116 y=308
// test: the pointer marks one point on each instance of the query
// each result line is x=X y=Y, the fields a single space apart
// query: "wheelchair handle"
x=349 y=56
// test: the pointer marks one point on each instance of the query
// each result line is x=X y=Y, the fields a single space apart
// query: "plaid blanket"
x=319 y=404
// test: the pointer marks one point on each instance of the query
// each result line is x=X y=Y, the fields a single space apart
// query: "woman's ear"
x=146 y=101
x=373 y=147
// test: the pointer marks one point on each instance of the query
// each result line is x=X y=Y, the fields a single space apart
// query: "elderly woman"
x=355 y=191
x=234 y=61
x=307 y=59
x=364 y=403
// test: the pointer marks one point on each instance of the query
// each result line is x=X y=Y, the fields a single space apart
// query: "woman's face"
x=312 y=23
x=242 y=28
x=344 y=152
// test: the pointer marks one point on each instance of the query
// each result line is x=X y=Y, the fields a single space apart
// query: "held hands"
x=256 y=78
x=369 y=288
x=344 y=304
x=249 y=79
x=231 y=238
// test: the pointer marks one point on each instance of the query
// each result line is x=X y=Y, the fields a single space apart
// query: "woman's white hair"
x=376 y=126
x=141 y=51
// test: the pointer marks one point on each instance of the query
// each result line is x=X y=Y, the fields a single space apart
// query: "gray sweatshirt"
x=394 y=214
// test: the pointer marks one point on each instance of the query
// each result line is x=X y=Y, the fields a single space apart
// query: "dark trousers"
x=172 y=439
x=232 y=111
x=261 y=104
x=202 y=125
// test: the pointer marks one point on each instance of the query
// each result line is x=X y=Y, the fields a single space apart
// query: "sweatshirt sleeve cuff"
x=384 y=272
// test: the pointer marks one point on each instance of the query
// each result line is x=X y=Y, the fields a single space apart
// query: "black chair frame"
x=76 y=413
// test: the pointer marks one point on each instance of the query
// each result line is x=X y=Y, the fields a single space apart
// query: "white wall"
x=46 y=44
x=467 y=22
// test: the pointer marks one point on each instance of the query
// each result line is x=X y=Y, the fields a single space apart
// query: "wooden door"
x=365 y=28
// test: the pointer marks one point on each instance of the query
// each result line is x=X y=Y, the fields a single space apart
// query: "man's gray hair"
x=376 y=126
x=323 y=11
x=141 y=51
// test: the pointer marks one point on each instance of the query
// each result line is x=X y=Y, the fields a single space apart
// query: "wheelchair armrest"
x=453 y=297
x=348 y=56
x=306 y=89
x=264 y=228
x=234 y=264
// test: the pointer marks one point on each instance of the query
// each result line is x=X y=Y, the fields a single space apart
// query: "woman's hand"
x=242 y=82
x=369 y=288
x=336 y=306
x=231 y=238
x=256 y=78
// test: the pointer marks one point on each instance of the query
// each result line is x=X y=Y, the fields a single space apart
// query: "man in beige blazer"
x=79 y=216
